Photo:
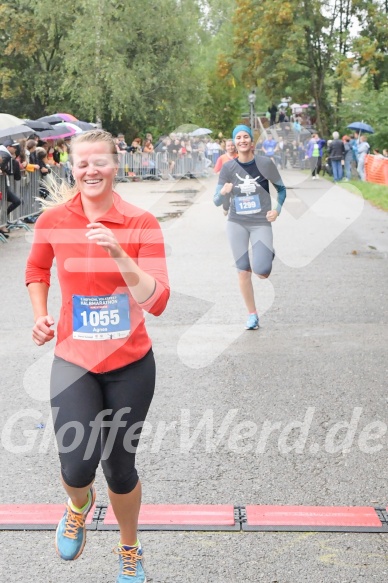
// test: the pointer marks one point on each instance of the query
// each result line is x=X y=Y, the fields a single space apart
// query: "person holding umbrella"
x=360 y=128
x=362 y=151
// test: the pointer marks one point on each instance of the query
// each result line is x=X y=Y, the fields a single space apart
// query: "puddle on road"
x=185 y=191
x=169 y=216
x=181 y=202
x=190 y=195
x=173 y=191
x=178 y=205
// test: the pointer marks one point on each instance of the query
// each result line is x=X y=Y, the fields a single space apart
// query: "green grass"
x=377 y=194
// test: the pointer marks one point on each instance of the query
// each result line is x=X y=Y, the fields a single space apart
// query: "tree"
x=301 y=47
x=32 y=46
x=370 y=105
x=143 y=72
x=371 y=47
x=224 y=98
x=124 y=62
x=285 y=47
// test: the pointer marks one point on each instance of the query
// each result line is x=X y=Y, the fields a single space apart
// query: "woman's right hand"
x=227 y=188
x=42 y=332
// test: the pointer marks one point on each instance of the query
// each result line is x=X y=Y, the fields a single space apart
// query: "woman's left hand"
x=106 y=239
x=272 y=216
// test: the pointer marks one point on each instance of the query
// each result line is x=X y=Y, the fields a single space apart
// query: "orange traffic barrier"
x=376 y=169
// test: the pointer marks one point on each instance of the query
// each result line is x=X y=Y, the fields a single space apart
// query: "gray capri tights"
x=261 y=239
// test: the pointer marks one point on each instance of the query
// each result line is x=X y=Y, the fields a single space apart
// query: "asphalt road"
x=294 y=413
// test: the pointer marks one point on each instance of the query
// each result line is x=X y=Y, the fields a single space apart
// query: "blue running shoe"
x=131 y=565
x=70 y=537
x=252 y=322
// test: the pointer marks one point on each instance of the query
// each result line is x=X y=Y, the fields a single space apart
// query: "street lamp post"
x=252 y=99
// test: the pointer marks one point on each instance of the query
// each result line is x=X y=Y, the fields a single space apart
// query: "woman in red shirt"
x=111 y=266
x=230 y=154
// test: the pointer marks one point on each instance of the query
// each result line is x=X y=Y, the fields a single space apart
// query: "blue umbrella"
x=360 y=126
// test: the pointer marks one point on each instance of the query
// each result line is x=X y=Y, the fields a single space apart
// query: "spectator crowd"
x=343 y=158
x=287 y=142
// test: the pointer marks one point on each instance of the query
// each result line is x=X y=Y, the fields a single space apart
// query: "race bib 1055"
x=101 y=317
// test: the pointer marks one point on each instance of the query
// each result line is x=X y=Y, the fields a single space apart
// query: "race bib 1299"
x=247 y=205
x=101 y=317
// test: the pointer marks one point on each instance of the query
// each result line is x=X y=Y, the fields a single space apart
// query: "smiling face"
x=243 y=142
x=94 y=169
x=230 y=147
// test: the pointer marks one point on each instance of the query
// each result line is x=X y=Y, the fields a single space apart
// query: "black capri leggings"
x=100 y=417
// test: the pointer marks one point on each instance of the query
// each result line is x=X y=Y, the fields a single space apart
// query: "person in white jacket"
x=362 y=150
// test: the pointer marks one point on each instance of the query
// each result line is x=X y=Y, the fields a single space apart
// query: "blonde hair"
x=60 y=190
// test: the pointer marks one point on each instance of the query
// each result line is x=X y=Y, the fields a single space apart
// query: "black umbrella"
x=51 y=119
x=84 y=125
x=38 y=125
x=57 y=132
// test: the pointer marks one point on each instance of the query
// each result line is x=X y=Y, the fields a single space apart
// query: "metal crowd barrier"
x=161 y=166
x=28 y=189
x=3 y=203
x=138 y=166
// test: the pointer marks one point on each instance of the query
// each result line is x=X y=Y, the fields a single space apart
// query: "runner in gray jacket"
x=243 y=188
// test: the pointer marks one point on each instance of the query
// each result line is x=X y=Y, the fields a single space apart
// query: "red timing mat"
x=207 y=517
x=177 y=516
x=45 y=516
x=318 y=517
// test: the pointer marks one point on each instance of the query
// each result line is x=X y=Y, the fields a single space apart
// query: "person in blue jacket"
x=314 y=153
x=270 y=147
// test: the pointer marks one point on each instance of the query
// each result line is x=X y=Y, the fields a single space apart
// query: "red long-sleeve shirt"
x=85 y=269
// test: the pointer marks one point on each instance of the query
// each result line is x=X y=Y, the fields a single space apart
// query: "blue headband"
x=242 y=128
